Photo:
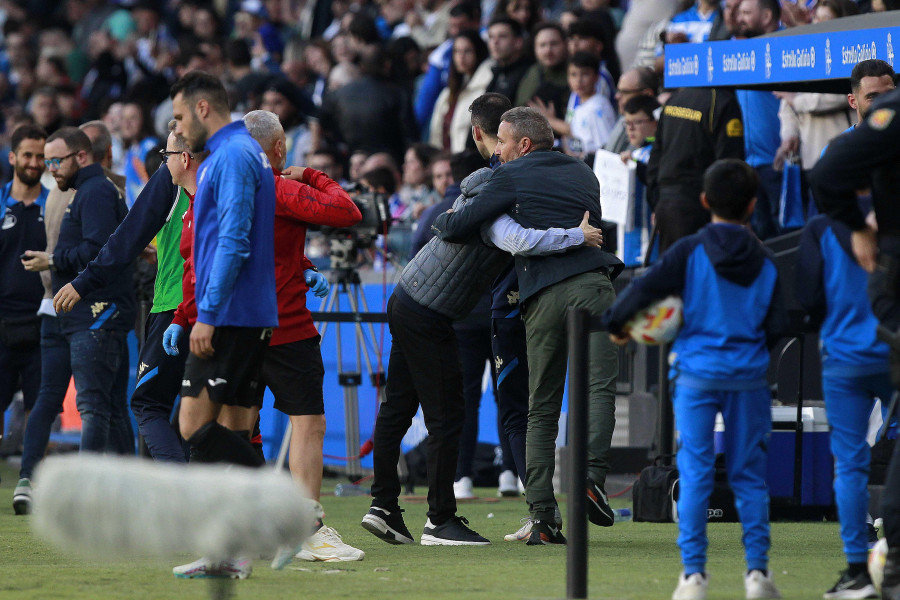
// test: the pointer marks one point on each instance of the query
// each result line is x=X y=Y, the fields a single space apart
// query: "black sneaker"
x=598 y=509
x=387 y=525
x=852 y=587
x=543 y=533
x=452 y=533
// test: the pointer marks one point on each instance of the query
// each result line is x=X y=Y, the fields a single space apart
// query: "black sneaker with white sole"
x=387 y=525
x=598 y=508
x=848 y=587
x=543 y=533
x=454 y=532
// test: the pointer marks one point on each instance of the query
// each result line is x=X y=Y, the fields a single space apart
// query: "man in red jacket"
x=293 y=367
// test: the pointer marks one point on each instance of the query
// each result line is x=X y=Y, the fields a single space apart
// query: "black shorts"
x=295 y=373
x=232 y=375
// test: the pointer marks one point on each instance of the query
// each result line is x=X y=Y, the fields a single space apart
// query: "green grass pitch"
x=633 y=561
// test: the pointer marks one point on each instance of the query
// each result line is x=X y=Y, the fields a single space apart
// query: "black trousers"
x=158 y=383
x=511 y=366
x=678 y=214
x=884 y=294
x=423 y=370
x=474 y=351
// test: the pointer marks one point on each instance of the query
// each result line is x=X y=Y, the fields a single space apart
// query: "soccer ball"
x=877 y=556
x=658 y=323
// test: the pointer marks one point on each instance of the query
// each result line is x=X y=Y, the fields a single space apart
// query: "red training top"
x=315 y=199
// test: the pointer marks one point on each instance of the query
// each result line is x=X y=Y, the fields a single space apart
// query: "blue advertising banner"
x=776 y=59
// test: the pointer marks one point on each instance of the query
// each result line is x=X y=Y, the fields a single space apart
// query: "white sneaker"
x=326 y=545
x=462 y=489
x=523 y=533
x=204 y=568
x=760 y=586
x=508 y=485
x=691 y=588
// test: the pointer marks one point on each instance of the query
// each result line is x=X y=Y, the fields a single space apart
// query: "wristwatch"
x=50 y=263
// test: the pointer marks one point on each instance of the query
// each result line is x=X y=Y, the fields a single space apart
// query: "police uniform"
x=869 y=157
x=697 y=127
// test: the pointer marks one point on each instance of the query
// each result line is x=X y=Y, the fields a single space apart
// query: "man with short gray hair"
x=548 y=285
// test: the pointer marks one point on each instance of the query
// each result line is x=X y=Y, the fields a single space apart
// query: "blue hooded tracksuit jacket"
x=733 y=313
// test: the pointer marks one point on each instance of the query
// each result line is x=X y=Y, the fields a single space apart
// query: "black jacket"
x=698 y=126
x=542 y=189
x=868 y=156
x=371 y=114
x=22 y=229
x=506 y=79
x=93 y=215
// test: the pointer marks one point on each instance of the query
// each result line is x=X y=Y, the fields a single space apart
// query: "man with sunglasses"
x=96 y=329
x=157 y=213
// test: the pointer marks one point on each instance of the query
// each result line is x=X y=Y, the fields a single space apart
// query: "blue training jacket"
x=152 y=208
x=831 y=288
x=91 y=217
x=762 y=128
x=733 y=307
x=234 y=221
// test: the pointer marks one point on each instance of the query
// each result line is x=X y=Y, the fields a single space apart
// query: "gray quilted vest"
x=450 y=278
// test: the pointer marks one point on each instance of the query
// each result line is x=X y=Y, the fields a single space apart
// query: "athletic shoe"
x=692 y=587
x=598 y=509
x=759 y=586
x=543 y=533
x=22 y=497
x=852 y=587
x=326 y=545
x=454 y=532
x=462 y=489
x=523 y=533
x=872 y=533
x=387 y=525
x=508 y=485
x=204 y=568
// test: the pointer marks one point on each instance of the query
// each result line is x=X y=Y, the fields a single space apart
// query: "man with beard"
x=96 y=329
x=234 y=269
x=22 y=201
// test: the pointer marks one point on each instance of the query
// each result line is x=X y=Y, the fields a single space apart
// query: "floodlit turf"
x=629 y=561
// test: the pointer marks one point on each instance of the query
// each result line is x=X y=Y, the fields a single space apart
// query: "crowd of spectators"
x=366 y=86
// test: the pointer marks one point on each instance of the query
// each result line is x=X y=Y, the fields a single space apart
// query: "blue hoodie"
x=733 y=307
x=831 y=289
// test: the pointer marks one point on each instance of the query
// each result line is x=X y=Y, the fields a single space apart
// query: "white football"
x=877 y=555
x=658 y=323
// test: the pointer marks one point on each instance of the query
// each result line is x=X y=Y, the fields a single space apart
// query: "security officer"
x=697 y=127
x=869 y=157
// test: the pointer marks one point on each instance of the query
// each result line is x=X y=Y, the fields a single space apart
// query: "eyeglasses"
x=636 y=123
x=627 y=92
x=53 y=163
x=165 y=154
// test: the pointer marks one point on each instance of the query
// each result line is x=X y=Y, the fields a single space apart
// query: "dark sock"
x=854 y=569
x=214 y=443
x=256 y=442
x=763 y=571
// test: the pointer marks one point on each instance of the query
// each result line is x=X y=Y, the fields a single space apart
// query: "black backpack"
x=653 y=493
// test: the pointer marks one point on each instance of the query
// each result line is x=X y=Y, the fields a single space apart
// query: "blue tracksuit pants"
x=848 y=404
x=748 y=422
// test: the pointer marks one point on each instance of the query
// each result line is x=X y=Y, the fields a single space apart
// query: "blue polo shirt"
x=21 y=229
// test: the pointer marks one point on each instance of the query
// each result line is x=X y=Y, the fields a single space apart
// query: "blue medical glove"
x=317 y=283
x=171 y=338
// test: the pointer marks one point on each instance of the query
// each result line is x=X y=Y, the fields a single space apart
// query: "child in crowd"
x=855 y=371
x=733 y=313
x=640 y=127
x=589 y=115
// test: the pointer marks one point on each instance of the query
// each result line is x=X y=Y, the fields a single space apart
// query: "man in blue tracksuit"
x=234 y=268
x=855 y=371
x=732 y=310
x=156 y=212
